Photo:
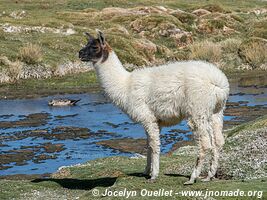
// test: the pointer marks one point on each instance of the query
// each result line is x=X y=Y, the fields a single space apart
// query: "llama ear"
x=101 y=37
x=89 y=36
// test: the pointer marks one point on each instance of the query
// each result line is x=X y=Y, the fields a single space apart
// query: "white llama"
x=163 y=96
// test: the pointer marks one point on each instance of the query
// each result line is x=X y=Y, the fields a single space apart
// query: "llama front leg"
x=153 y=132
x=148 y=159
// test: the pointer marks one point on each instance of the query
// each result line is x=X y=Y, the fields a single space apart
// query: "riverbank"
x=237 y=172
x=87 y=82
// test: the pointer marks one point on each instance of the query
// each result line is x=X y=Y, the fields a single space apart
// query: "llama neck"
x=114 y=79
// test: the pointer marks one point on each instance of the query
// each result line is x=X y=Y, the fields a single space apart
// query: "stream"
x=36 y=138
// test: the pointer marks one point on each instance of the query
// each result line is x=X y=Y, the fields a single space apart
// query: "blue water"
x=93 y=111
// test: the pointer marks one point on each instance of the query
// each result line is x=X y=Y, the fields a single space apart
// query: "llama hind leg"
x=153 y=132
x=217 y=143
x=202 y=135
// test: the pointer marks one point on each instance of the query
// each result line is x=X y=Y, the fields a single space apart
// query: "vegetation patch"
x=208 y=51
x=253 y=52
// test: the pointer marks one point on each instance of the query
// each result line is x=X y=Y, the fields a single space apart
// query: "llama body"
x=165 y=95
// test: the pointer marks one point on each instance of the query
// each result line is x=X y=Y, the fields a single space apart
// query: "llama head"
x=96 y=49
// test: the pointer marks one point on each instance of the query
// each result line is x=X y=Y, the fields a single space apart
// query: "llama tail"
x=221 y=92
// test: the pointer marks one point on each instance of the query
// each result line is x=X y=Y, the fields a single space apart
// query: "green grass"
x=117 y=173
x=249 y=126
x=75 y=83
x=69 y=13
x=84 y=15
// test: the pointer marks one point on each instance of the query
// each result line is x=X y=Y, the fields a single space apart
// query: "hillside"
x=41 y=39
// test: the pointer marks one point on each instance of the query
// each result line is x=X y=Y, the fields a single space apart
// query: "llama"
x=163 y=96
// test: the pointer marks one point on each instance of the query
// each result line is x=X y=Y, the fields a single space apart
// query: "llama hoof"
x=189 y=182
x=151 y=180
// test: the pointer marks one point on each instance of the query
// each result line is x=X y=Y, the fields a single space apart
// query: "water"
x=97 y=114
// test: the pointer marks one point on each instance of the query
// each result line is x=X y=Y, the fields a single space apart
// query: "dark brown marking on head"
x=106 y=50
x=95 y=49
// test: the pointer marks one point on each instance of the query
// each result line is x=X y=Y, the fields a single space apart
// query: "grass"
x=206 y=50
x=125 y=33
x=254 y=52
x=31 y=54
x=79 y=16
x=29 y=88
x=250 y=126
x=96 y=175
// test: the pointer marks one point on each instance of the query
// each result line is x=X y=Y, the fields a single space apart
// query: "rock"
x=70 y=67
x=62 y=173
x=18 y=14
x=8 y=28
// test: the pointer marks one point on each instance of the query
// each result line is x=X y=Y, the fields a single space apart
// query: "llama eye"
x=94 y=47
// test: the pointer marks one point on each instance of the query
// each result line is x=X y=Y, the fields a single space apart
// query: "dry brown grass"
x=9 y=71
x=15 y=70
x=206 y=50
x=231 y=45
x=31 y=54
x=255 y=53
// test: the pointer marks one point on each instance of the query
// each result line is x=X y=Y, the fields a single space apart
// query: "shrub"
x=31 y=54
x=207 y=50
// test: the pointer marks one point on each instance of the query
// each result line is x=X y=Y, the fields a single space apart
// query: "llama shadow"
x=148 y=177
x=80 y=184
x=177 y=175
x=138 y=174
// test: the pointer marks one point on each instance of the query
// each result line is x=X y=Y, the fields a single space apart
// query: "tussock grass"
x=231 y=45
x=206 y=50
x=133 y=22
x=31 y=54
x=254 y=53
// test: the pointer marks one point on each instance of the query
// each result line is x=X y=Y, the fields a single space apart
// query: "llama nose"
x=81 y=53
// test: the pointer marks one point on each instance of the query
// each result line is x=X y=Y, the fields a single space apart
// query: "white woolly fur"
x=163 y=96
